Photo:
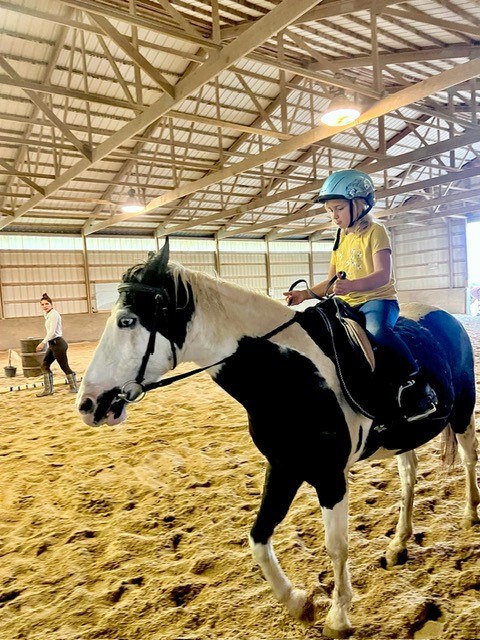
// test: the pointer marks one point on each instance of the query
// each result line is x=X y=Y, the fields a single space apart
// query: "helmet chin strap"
x=352 y=221
x=368 y=208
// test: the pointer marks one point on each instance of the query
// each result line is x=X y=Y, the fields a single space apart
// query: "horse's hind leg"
x=469 y=456
x=407 y=469
x=279 y=490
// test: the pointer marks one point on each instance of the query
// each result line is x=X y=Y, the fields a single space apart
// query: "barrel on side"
x=31 y=360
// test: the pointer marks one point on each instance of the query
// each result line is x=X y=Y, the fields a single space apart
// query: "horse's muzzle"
x=107 y=408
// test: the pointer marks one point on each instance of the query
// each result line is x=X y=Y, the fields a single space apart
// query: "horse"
x=262 y=352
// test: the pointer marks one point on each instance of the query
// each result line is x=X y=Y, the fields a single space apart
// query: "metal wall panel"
x=25 y=275
x=458 y=252
x=106 y=267
x=196 y=260
x=248 y=269
x=430 y=257
x=142 y=245
x=285 y=268
x=288 y=267
x=321 y=264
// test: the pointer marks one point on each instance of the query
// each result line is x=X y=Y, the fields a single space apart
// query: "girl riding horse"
x=260 y=351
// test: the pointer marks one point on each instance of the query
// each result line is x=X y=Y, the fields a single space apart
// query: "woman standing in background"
x=57 y=348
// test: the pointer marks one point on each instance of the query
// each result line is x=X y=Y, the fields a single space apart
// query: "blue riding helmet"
x=347 y=185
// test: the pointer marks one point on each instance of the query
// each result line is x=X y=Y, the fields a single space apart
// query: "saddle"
x=338 y=331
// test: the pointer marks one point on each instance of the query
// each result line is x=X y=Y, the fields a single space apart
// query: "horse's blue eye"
x=124 y=323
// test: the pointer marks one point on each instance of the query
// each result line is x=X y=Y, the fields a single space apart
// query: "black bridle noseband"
x=135 y=390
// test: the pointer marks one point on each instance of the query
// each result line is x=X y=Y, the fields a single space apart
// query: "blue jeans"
x=380 y=318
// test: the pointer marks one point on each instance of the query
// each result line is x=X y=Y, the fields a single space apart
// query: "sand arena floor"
x=139 y=531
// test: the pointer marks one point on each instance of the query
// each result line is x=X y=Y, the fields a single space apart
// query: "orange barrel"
x=31 y=360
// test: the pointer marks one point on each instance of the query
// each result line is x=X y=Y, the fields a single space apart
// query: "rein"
x=135 y=390
x=341 y=276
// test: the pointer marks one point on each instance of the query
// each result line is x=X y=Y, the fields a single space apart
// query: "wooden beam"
x=51 y=89
x=40 y=104
x=225 y=124
x=410 y=14
x=383 y=213
x=13 y=171
x=260 y=31
x=139 y=21
x=379 y=165
x=402 y=98
x=401 y=57
x=344 y=7
x=124 y=44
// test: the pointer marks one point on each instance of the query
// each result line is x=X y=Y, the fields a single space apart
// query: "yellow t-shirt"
x=354 y=255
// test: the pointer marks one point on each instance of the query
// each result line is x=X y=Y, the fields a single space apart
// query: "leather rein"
x=135 y=390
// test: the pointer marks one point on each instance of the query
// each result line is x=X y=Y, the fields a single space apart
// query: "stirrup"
x=420 y=416
x=422 y=413
x=402 y=388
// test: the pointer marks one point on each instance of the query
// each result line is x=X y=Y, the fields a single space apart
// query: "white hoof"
x=395 y=556
x=300 y=606
x=327 y=632
x=470 y=518
x=334 y=628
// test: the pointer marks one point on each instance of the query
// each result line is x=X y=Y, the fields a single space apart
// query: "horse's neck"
x=224 y=313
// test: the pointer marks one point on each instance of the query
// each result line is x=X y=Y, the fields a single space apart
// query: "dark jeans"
x=380 y=318
x=57 y=350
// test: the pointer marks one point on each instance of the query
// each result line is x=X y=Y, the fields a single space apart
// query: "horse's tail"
x=448 y=446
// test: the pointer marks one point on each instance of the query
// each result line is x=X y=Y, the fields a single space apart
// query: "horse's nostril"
x=87 y=406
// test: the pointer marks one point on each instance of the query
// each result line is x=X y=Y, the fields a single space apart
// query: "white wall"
x=430 y=266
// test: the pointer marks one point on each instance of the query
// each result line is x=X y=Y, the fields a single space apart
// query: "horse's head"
x=146 y=329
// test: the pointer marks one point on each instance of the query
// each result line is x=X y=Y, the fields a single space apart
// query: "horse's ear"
x=157 y=262
x=164 y=253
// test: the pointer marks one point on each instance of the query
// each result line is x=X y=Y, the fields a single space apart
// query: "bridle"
x=135 y=390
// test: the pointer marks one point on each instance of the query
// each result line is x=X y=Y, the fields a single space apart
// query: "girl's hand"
x=295 y=296
x=39 y=347
x=342 y=287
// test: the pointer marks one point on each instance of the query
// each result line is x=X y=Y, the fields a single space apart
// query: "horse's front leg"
x=335 y=520
x=279 y=490
x=407 y=470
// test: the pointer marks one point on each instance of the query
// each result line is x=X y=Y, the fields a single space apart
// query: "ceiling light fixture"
x=132 y=204
x=340 y=111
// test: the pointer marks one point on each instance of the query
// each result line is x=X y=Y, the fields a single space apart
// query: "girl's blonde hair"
x=359 y=227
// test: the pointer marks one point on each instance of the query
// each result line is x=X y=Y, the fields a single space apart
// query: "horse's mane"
x=205 y=287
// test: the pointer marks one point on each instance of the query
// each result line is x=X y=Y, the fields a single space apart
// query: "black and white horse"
x=287 y=378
